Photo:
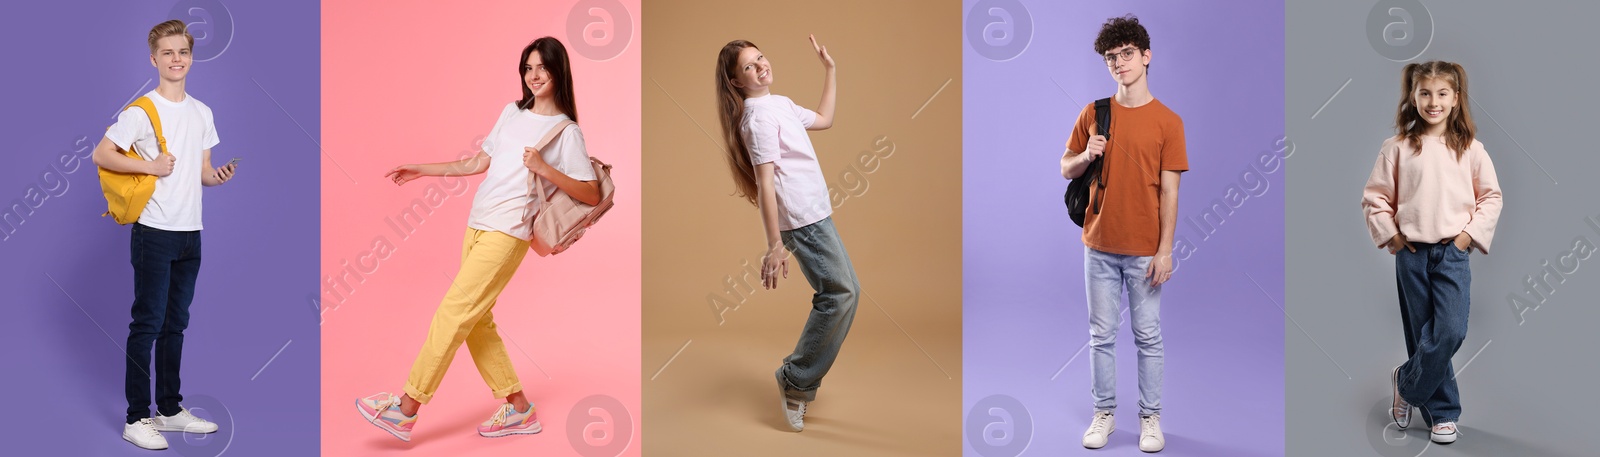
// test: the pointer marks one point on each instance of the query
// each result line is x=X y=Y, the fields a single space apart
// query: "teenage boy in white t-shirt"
x=165 y=242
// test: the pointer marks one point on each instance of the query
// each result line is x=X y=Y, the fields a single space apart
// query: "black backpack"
x=1077 y=197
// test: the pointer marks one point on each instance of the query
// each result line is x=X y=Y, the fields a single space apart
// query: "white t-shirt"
x=775 y=129
x=501 y=204
x=189 y=130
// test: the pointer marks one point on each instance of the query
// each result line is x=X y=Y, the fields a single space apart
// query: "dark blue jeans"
x=165 y=265
x=833 y=307
x=1435 y=285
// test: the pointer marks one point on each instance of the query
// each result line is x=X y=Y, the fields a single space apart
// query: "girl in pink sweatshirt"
x=1432 y=198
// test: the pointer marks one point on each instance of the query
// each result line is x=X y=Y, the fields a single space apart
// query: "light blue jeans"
x=1105 y=275
x=827 y=267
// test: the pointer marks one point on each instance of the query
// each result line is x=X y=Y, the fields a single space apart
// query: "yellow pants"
x=488 y=259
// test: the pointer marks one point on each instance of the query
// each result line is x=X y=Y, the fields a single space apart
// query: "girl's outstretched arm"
x=464 y=167
x=775 y=262
x=829 y=94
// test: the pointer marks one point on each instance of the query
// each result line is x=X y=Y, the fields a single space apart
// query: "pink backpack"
x=561 y=220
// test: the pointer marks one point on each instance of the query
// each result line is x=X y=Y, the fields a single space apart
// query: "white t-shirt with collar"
x=501 y=204
x=775 y=129
x=189 y=130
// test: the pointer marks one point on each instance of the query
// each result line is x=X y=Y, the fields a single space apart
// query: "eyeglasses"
x=1126 y=54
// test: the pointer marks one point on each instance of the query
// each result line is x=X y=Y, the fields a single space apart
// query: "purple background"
x=1220 y=67
x=71 y=68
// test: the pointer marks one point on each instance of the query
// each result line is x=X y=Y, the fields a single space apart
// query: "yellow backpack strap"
x=149 y=108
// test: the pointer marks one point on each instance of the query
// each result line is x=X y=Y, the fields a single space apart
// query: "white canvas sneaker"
x=184 y=421
x=794 y=411
x=1150 y=437
x=1400 y=410
x=143 y=434
x=1443 y=433
x=1099 y=430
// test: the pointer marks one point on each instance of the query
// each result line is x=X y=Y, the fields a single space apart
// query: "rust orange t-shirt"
x=1144 y=141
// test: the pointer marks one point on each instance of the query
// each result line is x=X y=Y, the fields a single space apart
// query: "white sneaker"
x=143 y=434
x=1099 y=430
x=1443 y=433
x=1150 y=437
x=794 y=411
x=1399 y=410
x=184 y=421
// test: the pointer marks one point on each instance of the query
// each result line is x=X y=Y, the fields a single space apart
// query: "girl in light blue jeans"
x=776 y=169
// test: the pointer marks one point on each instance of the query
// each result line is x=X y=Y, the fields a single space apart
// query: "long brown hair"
x=554 y=58
x=730 y=109
x=1459 y=129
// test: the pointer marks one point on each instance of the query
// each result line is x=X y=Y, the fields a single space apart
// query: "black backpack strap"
x=1102 y=122
x=1102 y=116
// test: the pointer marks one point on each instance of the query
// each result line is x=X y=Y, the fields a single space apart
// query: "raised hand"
x=822 y=53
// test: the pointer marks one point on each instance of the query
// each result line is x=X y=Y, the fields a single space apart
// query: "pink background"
x=408 y=82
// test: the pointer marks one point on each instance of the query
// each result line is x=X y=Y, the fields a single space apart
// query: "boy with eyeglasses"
x=1128 y=242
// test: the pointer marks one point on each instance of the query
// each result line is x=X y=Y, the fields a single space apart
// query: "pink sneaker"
x=383 y=410
x=508 y=421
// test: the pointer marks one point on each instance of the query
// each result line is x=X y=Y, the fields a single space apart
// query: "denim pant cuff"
x=789 y=390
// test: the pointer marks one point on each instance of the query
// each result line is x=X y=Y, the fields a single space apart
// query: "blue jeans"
x=827 y=267
x=1105 y=275
x=165 y=265
x=1435 y=284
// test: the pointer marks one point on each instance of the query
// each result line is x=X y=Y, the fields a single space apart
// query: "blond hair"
x=170 y=28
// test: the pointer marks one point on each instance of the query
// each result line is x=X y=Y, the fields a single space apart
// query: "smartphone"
x=235 y=161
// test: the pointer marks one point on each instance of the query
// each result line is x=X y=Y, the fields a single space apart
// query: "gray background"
x=1525 y=382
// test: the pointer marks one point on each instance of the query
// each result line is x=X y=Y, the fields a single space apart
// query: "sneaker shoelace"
x=384 y=405
x=1149 y=426
x=799 y=406
x=1398 y=400
x=1100 y=423
x=147 y=427
x=500 y=415
x=1445 y=428
x=1401 y=411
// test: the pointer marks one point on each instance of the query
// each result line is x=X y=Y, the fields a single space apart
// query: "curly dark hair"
x=1121 y=31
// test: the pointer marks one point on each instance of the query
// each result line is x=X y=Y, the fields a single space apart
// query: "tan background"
x=896 y=388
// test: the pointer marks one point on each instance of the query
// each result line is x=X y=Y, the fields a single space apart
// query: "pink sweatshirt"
x=1432 y=197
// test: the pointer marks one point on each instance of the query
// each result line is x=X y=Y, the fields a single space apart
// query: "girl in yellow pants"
x=496 y=241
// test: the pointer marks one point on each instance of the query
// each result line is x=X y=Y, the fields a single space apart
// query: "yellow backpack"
x=128 y=193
